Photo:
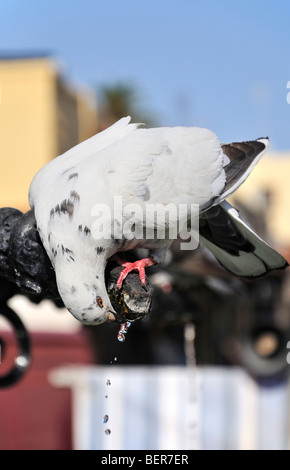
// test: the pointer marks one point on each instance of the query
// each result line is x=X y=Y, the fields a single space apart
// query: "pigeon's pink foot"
x=139 y=265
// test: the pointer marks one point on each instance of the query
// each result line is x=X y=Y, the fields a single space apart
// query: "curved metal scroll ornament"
x=22 y=360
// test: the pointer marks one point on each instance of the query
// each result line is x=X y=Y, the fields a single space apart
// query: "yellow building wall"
x=272 y=174
x=87 y=114
x=27 y=125
x=40 y=118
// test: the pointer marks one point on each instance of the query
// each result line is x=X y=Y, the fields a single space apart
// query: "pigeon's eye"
x=100 y=302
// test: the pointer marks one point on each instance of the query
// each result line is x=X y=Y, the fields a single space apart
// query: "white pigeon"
x=179 y=165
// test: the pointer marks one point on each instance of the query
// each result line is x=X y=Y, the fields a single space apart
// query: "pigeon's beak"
x=114 y=316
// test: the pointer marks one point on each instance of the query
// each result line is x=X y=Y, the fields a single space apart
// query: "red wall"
x=34 y=414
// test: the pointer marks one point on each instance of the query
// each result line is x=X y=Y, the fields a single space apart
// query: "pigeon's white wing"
x=166 y=165
x=158 y=166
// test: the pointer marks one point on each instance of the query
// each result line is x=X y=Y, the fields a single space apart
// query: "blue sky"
x=217 y=64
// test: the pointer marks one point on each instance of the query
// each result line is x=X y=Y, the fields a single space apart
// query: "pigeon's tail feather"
x=240 y=159
x=235 y=244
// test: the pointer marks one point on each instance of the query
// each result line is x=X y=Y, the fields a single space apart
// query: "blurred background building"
x=266 y=195
x=41 y=116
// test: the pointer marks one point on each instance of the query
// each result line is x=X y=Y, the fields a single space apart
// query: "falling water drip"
x=192 y=433
x=189 y=345
x=106 y=417
x=123 y=330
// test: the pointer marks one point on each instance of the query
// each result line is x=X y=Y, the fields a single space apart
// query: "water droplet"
x=108 y=432
x=123 y=330
x=105 y=419
x=106 y=396
x=108 y=382
x=22 y=361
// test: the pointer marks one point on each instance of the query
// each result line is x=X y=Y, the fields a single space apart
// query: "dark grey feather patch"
x=241 y=156
x=73 y=176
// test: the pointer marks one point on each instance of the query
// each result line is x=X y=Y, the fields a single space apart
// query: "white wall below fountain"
x=173 y=408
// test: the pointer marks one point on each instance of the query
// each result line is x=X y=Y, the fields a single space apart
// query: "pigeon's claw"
x=139 y=265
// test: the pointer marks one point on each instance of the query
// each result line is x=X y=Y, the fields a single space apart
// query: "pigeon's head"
x=85 y=295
